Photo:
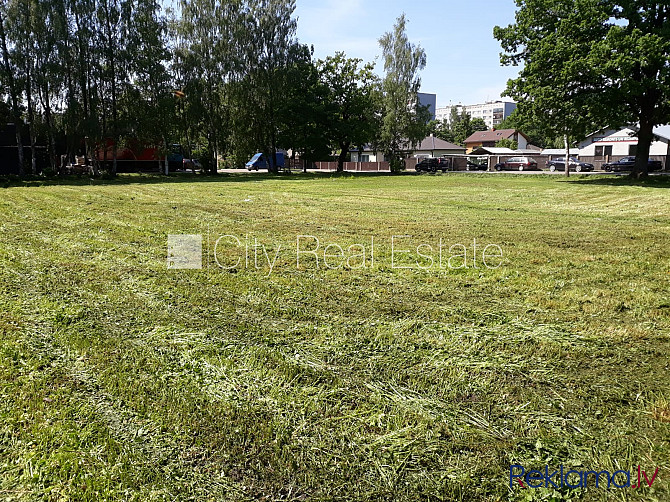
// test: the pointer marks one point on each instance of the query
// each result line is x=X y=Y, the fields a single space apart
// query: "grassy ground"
x=123 y=380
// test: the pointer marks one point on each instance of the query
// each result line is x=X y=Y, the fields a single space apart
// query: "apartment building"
x=429 y=100
x=491 y=112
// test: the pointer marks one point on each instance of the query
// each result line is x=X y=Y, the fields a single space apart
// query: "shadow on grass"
x=661 y=180
x=155 y=178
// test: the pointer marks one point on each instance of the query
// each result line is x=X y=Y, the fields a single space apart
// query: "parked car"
x=193 y=164
x=627 y=163
x=432 y=164
x=473 y=166
x=575 y=165
x=518 y=164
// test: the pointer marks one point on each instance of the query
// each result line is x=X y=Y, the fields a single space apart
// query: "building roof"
x=428 y=143
x=433 y=143
x=494 y=150
x=661 y=132
x=495 y=135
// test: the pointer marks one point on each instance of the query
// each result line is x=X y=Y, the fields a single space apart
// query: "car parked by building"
x=433 y=164
x=474 y=166
x=517 y=164
x=575 y=165
x=627 y=163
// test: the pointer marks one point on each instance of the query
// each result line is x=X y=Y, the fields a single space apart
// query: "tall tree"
x=269 y=49
x=591 y=64
x=635 y=58
x=352 y=100
x=9 y=79
x=405 y=119
x=305 y=112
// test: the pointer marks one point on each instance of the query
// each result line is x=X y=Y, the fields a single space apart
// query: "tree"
x=636 y=67
x=404 y=118
x=459 y=127
x=9 y=79
x=268 y=45
x=536 y=133
x=152 y=98
x=304 y=111
x=591 y=64
x=507 y=143
x=352 y=102
x=464 y=126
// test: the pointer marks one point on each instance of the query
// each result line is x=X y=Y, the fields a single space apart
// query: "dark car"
x=518 y=164
x=433 y=164
x=627 y=163
x=575 y=165
x=473 y=166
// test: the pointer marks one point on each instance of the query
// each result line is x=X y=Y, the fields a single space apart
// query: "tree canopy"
x=457 y=128
x=404 y=118
x=590 y=64
x=224 y=80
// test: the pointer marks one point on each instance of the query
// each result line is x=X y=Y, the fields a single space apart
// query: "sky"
x=463 y=62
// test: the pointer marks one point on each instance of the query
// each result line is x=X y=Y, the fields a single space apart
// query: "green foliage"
x=352 y=102
x=590 y=64
x=507 y=143
x=404 y=118
x=537 y=134
x=304 y=109
x=459 y=127
x=556 y=88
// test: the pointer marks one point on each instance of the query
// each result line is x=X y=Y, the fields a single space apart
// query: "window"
x=365 y=158
x=632 y=150
x=608 y=151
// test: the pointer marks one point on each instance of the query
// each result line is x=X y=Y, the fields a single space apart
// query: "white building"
x=613 y=144
x=491 y=112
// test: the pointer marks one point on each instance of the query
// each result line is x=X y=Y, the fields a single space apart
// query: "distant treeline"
x=224 y=79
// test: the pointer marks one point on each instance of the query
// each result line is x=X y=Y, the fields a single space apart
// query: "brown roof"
x=433 y=143
x=481 y=136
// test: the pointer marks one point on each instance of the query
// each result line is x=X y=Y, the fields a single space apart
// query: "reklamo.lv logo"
x=518 y=477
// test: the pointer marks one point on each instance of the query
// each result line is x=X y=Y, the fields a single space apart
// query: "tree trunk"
x=273 y=165
x=112 y=68
x=51 y=146
x=31 y=117
x=167 y=165
x=644 y=138
x=344 y=149
x=12 y=93
x=567 y=154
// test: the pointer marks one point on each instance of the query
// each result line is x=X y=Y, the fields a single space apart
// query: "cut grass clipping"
x=121 y=379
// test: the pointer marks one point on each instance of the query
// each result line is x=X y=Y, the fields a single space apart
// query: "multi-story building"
x=491 y=112
x=429 y=100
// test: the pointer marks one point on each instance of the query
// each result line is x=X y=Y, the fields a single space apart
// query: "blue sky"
x=463 y=62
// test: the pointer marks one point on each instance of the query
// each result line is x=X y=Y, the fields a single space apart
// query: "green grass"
x=123 y=380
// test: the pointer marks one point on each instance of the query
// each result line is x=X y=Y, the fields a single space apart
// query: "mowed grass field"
x=121 y=379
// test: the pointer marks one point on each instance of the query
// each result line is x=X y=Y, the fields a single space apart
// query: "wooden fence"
x=348 y=166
